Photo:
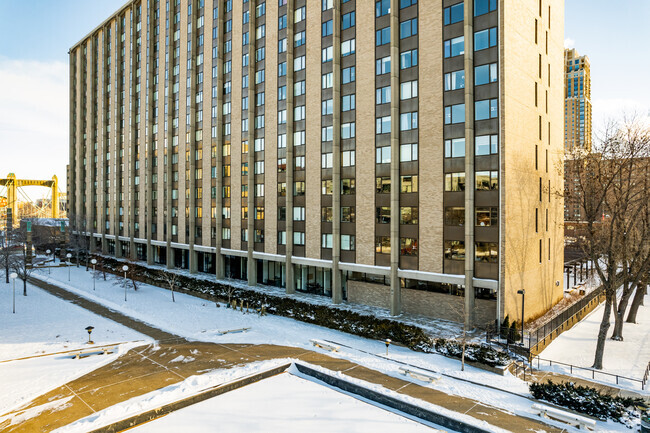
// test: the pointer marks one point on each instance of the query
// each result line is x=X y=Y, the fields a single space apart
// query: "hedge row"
x=588 y=400
x=328 y=316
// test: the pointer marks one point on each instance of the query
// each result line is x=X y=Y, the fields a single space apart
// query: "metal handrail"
x=594 y=371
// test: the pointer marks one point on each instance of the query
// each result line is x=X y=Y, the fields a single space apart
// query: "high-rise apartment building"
x=394 y=153
x=577 y=102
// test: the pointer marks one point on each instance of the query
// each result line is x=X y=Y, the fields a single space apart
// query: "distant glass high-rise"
x=577 y=103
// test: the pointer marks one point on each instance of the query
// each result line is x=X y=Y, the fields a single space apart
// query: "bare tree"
x=614 y=201
x=131 y=276
x=171 y=278
x=5 y=261
x=639 y=294
x=22 y=263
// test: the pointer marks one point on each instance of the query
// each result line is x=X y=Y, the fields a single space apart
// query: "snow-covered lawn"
x=198 y=319
x=284 y=404
x=46 y=324
x=628 y=358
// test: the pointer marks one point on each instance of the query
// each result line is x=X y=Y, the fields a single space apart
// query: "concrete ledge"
x=180 y=404
x=391 y=402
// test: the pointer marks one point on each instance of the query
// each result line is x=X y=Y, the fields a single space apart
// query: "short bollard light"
x=90 y=330
x=49 y=269
x=388 y=341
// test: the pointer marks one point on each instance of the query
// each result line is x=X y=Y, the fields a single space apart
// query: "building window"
x=382 y=7
x=408 y=28
x=382 y=245
x=455 y=181
x=408 y=246
x=348 y=74
x=487 y=216
x=347 y=214
x=486 y=145
x=327 y=28
x=383 y=155
x=348 y=186
x=455 y=250
x=454 y=14
x=485 y=39
x=486 y=252
x=348 y=20
x=326 y=240
x=383 y=185
x=408 y=215
x=348 y=130
x=383 y=95
x=328 y=54
x=348 y=158
x=383 y=65
x=482 y=7
x=408 y=59
x=282 y=238
x=347 y=242
x=298 y=213
x=382 y=36
x=383 y=215
x=486 y=109
x=348 y=103
x=409 y=90
x=455 y=216
x=487 y=180
x=455 y=114
x=299 y=188
x=408 y=184
x=455 y=47
x=326 y=214
x=408 y=121
x=326 y=187
x=408 y=152
x=485 y=74
x=455 y=148
x=299 y=238
x=455 y=80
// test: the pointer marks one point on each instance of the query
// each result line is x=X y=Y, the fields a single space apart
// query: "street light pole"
x=94 y=262
x=125 y=268
x=522 y=292
x=68 y=256
x=13 y=276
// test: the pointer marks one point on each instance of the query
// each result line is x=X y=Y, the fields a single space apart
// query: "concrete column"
x=220 y=265
x=303 y=277
x=469 y=163
x=290 y=283
x=191 y=74
x=251 y=270
x=149 y=152
x=168 y=151
x=337 y=293
x=395 y=286
x=133 y=143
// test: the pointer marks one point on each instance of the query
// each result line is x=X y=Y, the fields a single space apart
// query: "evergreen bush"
x=588 y=401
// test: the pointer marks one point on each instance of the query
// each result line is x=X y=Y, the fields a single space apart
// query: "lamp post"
x=522 y=292
x=68 y=256
x=89 y=329
x=13 y=276
x=125 y=268
x=49 y=269
x=94 y=262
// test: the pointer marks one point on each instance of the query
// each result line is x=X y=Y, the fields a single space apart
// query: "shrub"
x=588 y=401
x=473 y=352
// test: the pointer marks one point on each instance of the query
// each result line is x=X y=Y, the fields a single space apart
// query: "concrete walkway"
x=150 y=368
x=116 y=316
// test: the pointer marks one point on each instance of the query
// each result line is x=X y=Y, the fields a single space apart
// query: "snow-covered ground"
x=44 y=324
x=284 y=404
x=198 y=319
x=628 y=358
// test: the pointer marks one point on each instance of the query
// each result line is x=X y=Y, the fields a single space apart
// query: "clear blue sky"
x=35 y=36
